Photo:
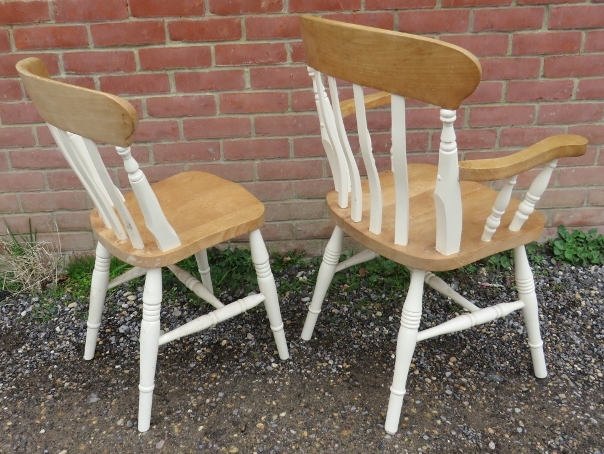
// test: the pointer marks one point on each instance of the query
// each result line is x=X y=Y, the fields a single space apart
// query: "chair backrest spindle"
x=329 y=137
x=399 y=167
x=155 y=220
x=354 y=177
x=404 y=66
x=447 y=193
x=375 y=190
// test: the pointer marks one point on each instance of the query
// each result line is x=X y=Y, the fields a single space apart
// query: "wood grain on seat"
x=420 y=253
x=203 y=209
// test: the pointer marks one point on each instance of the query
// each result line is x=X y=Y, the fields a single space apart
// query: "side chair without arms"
x=425 y=217
x=153 y=226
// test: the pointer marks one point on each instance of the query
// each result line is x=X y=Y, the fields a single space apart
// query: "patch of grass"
x=380 y=274
x=28 y=265
x=578 y=247
x=232 y=271
x=78 y=274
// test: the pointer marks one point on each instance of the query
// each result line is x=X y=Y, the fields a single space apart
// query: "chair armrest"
x=373 y=100
x=555 y=147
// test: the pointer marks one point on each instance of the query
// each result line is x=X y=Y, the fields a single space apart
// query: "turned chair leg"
x=266 y=283
x=204 y=269
x=149 y=344
x=98 y=291
x=526 y=293
x=405 y=345
x=331 y=257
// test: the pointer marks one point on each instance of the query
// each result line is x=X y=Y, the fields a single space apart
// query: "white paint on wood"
x=114 y=194
x=149 y=345
x=526 y=292
x=74 y=158
x=84 y=158
x=527 y=206
x=444 y=289
x=447 y=194
x=204 y=269
x=98 y=291
x=354 y=177
x=331 y=257
x=405 y=346
x=266 y=283
x=195 y=286
x=361 y=257
x=501 y=203
x=155 y=220
x=213 y=318
x=399 y=167
x=375 y=190
x=488 y=314
x=331 y=144
x=132 y=273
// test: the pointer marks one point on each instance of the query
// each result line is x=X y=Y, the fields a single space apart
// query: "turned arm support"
x=555 y=147
x=372 y=101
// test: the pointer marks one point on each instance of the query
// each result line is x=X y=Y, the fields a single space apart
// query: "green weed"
x=578 y=247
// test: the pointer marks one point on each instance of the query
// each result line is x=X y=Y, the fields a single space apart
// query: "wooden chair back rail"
x=102 y=117
x=433 y=71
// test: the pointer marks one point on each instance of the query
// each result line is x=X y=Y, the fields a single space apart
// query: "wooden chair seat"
x=204 y=210
x=421 y=252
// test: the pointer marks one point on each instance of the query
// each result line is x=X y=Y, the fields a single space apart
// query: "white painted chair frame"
x=83 y=156
x=448 y=207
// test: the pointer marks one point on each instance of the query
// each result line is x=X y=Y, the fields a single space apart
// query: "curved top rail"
x=432 y=71
x=98 y=116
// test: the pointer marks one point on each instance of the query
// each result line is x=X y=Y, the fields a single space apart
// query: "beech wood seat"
x=421 y=253
x=428 y=218
x=153 y=226
x=214 y=210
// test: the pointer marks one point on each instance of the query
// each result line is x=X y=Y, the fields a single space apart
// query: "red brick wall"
x=221 y=85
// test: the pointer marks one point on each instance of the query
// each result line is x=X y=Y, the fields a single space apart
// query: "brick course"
x=221 y=86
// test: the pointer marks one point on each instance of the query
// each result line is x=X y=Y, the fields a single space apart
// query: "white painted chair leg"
x=98 y=291
x=266 y=283
x=327 y=269
x=526 y=293
x=405 y=345
x=149 y=343
x=204 y=269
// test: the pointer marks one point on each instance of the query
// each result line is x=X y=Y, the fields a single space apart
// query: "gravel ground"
x=226 y=390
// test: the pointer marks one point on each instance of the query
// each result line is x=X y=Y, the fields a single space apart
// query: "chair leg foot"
x=266 y=283
x=98 y=292
x=526 y=292
x=327 y=269
x=405 y=346
x=149 y=345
